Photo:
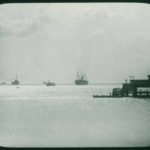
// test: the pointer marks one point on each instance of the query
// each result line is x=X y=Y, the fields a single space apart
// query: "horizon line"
x=105 y=83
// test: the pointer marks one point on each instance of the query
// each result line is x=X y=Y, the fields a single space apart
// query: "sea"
x=69 y=116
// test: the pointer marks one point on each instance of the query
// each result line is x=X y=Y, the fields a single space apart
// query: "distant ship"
x=15 y=82
x=3 y=83
x=81 y=79
x=49 y=83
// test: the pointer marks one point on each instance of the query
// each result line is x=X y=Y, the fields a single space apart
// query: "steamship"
x=81 y=79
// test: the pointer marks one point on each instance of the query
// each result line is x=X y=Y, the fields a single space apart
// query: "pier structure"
x=136 y=88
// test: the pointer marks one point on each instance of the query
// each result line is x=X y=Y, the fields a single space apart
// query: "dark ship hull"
x=81 y=82
x=16 y=82
x=50 y=84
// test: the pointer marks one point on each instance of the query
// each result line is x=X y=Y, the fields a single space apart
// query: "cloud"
x=22 y=27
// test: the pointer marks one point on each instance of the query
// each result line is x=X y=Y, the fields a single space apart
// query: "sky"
x=107 y=41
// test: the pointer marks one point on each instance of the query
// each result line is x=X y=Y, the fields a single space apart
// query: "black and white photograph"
x=75 y=75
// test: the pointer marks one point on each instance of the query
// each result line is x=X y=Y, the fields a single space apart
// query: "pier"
x=135 y=88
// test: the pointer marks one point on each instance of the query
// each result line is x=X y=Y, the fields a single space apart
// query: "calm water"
x=69 y=116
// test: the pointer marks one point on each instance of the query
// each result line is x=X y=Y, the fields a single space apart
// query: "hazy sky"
x=41 y=42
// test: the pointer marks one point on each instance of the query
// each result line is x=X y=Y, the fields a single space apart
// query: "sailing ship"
x=16 y=81
x=81 y=79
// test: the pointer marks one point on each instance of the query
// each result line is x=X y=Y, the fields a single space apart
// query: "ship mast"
x=77 y=75
x=16 y=77
x=85 y=76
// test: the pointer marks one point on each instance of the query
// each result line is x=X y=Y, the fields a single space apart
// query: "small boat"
x=49 y=83
x=3 y=83
x=15 y=82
